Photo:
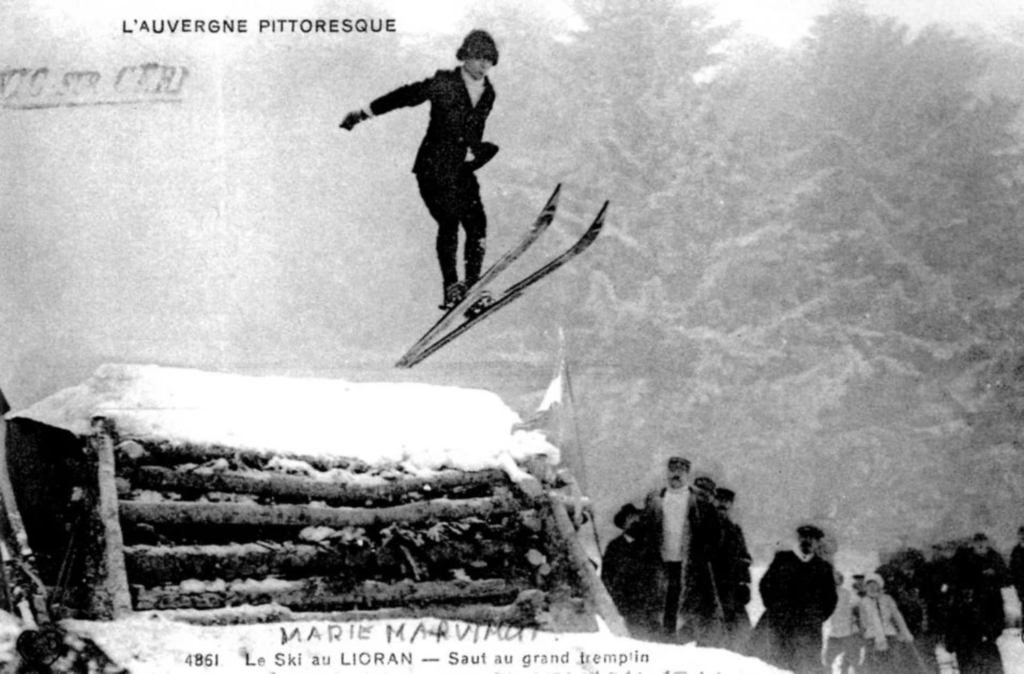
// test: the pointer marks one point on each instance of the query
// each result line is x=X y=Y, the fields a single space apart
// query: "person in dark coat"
x=628 y=577
x=452 y=150
x=799 y=595
x=1017 y=565
x=732 y=574
x=704 y=488
x=903 y=572
x=938 y=583
x=683 y=535
x=976 y=617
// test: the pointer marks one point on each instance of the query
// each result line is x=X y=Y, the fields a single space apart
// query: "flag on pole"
x=555 y=416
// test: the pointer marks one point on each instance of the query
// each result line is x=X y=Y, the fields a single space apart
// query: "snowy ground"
x=150 y=644
x=154 y=645
x=419 y=427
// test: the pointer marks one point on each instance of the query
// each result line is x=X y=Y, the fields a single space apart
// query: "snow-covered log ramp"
x=212 y=494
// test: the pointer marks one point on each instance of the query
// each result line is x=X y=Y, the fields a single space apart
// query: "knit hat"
x=478 y=45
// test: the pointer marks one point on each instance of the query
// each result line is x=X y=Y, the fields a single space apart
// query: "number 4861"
x=202 y=660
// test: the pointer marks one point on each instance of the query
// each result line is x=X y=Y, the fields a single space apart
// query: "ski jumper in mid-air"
x=452 y=149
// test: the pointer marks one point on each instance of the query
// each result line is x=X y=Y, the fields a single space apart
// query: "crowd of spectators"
x=680 y=572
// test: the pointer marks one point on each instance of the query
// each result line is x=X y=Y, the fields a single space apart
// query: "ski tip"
x=601 y=213
x=553 y=199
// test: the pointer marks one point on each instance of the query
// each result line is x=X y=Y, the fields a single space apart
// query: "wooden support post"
x=596 y=593
x=14 y=533
x=115 y=599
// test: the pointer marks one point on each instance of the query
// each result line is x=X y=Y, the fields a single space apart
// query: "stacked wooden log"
x=209 y=532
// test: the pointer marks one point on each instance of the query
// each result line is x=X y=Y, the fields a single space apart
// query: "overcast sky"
x=785 y=22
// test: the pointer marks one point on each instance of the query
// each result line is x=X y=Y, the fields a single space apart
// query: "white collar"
x=800 y=554
x=470 y=82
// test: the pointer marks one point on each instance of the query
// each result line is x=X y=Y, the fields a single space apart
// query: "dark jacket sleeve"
x=707 y=534
x=406 y=96
x=483 y=152
x=1017 y=570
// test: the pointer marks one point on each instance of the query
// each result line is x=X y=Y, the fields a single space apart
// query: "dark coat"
x=1017 y=569
x=976 y=613
x=798 y=598
x=629 y=578
x=700 y=593
x=455 y=123
x=904 y=577
x=938 y=578
x=732 y=573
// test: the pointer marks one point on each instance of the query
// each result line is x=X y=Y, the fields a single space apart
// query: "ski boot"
x=453 y=294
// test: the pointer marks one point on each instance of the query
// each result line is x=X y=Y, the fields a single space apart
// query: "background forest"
x=812 y=275
x=811 y=280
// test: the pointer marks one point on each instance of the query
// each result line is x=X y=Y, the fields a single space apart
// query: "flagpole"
x=564 y=371
x=564 y=365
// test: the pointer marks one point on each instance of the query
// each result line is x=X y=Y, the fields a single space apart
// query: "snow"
x=417 y=426
x=194 y=586
x=149 y=643
x=10 y=628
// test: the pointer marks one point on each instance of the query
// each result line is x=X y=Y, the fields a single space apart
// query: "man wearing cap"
x=624 y=574
x=683 y=537
x=799 y=595
x=704 y=487
x=976 y=618
x=452 y=150
x=732 y=572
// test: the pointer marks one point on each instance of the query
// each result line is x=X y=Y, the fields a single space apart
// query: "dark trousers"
x=674 y=572
x=979 y=657
x=453 y=200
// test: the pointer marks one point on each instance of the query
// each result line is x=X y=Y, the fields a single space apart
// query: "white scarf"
x=474 y=87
